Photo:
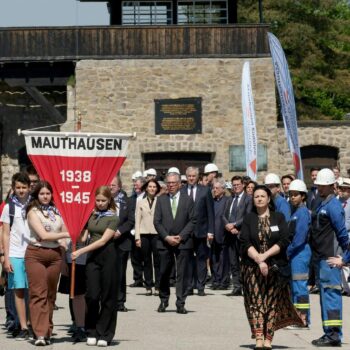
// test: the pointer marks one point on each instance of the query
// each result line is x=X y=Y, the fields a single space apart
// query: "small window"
x=146 y=12
x=237 y=158
x=202 y=12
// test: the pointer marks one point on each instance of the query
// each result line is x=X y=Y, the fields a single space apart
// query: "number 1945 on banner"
x=76 y=177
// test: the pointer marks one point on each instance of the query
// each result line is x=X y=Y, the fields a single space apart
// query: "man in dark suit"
x=237 y=207
x=203 y=231
x=221 y=278
x=174 y=221
x=123 y=239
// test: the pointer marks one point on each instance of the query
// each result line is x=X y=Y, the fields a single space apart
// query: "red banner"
x=75 y=164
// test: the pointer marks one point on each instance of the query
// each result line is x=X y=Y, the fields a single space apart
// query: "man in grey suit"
x=204 y=229
x=174 y=221
x=236 y=208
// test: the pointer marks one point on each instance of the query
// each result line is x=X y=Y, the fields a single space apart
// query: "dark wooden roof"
x=108 y=42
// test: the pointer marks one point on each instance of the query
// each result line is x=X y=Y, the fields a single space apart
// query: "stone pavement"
x=214 y=322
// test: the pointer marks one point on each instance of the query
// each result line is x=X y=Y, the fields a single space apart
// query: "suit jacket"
x=219 y=208
x=144 y=217
x=183 y=224
x=126 y=224
x=245 y=206
x=203 y=211
x=313 y=200
x=279 y=234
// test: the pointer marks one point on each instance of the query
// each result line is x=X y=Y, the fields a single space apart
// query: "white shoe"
x=102 y=343
x=40 y=341
x=91 y=341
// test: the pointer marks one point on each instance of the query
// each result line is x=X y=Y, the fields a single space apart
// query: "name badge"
x=274 y=228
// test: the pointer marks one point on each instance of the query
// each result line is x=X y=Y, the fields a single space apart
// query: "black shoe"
x=314 y=290
x=235 y=292
x=72 y=329
x=189 y=292
x=201 y=293
x=122 y=308
x=149 y=292
x=162 y=306
x=79 y=335
x=214 y=287
x=181 y=310
x=136 y=284
x=23 y=335
x=324 y=341
x=15 y=332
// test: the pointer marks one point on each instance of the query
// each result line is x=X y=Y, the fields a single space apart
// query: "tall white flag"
x=286 y=94
x=249 y=125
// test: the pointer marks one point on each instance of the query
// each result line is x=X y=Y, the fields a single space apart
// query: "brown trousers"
x=43 y=266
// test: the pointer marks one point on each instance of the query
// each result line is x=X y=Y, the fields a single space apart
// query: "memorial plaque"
x=178 y=116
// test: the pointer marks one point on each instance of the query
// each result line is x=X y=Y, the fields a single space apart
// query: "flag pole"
x=74 y=246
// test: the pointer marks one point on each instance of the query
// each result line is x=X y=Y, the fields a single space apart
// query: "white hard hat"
x=228 y=185
x=183 y=178
x=272 y=179
x=298 y=185
x=174 y=170
x=325 y=177
x=345 y=182
x=209 y=168
x=144 y=173
x=152 y=172
x=136 y=175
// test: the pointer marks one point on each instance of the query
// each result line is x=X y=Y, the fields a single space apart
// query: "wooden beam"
x=37 y=96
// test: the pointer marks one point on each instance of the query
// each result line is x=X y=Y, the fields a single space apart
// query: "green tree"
x=315 y=35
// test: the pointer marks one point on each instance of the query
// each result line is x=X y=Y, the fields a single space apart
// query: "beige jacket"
x=144 y=218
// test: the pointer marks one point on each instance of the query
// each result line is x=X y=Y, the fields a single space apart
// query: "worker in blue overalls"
x=273 y=182
x=299 y=251
x=328 y=234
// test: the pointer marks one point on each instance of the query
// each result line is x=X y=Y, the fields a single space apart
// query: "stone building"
x=126 y=73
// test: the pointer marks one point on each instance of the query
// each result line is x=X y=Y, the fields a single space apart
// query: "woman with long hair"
x=101 y=277
x=146 y=235
x=264 y=240
x=43 y=260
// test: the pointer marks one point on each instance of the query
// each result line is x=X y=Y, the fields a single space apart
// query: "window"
x=202 y=12
x=237 y=158
x=146 y=12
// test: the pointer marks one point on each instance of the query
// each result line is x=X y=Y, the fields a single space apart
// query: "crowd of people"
x=272 y=243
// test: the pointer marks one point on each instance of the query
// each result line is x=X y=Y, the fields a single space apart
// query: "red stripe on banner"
x=74 y=181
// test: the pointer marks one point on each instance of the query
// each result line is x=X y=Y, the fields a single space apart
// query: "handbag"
x=284 y=272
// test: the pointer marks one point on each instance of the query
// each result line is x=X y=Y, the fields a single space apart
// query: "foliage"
x=315 y=35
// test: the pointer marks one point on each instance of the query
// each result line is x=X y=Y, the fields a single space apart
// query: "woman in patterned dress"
x=264 y=239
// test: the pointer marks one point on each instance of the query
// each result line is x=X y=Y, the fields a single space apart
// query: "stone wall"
x=118 y=95
x=311 y=133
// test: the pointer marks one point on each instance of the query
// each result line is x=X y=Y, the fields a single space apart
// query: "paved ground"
x=214 y=322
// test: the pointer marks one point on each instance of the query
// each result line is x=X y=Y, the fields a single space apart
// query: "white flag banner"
x=249 y=125
x=286 y=94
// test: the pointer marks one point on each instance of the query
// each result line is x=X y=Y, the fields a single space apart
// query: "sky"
x=29 y=13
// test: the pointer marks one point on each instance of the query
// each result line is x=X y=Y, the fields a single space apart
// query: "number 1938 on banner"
x=76 y=164
x=75 y=177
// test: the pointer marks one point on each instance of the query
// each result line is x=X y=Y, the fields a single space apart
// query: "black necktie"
x=233 y=213
x=191 y=192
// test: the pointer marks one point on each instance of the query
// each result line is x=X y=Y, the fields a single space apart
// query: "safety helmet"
x=136 y=175
x=209 y=168
x=174 y=170
x=152 y=172
x=325 y=177
x=345 y=182
x=298 y=185
x=272 y=179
